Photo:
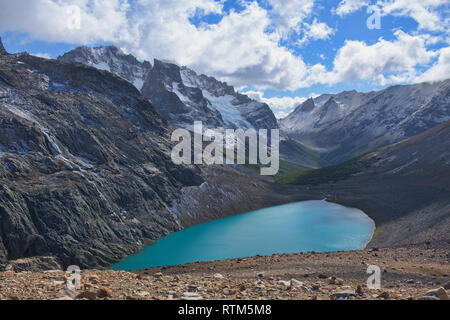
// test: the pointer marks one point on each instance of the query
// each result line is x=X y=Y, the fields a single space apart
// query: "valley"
x=86 y=176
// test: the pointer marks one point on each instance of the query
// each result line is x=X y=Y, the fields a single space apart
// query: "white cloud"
x=244 y=47
x=53 y=21
x=41 y=55
x=281 y=115
x=440 y=70
x=349 y=6
x=316 y=31
x=429 y=14
x=287 y=15
x=238 y=49
x=283 y=103
x=356 y=60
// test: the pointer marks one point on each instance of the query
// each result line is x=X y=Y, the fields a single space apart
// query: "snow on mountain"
x=113 y=60
x=347 y=124
x=179 y=93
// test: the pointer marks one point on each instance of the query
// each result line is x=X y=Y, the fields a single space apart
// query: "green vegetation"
x=286 y=167
x=297 y=147
x=324 y=175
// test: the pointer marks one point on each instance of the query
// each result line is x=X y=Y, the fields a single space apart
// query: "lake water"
x=297 y=227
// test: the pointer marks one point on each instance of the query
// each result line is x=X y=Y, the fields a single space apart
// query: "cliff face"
x=179 y=93
x=85 y=169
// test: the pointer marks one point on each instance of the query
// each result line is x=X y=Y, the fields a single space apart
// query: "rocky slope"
x=179 y=93
x=85 y=168
x=403 y=187
x=345 y=125
x=411 y=273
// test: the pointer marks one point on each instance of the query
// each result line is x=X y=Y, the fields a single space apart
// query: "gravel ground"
x=406 y=273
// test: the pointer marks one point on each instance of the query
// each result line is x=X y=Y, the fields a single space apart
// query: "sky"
x=277 y=51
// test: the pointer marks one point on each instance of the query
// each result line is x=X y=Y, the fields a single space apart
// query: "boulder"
x=191 y=296
x=438 y=293
x=343 y=294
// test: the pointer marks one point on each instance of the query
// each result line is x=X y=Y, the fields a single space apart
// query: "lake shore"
x=407 y=273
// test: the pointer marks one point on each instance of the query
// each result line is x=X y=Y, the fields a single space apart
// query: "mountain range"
x=179 y=93
x=86 y=175
x=342 y=126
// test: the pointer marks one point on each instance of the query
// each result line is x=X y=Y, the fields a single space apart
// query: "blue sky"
x=280 y=52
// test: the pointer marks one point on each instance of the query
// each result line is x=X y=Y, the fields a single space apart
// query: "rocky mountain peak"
x=112 y=59
x=2 y=48
x=179 y=93
x=306 y=106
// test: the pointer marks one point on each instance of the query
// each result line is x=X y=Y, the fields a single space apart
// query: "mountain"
x=403 y=187
x=86 y=176
x=85 y=168
x=179 y=93
x=113 y=60
x=345 y=125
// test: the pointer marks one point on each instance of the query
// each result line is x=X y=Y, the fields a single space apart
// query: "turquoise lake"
x=297 y=227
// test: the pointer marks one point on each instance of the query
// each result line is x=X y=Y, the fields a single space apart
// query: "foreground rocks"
x=407 y=274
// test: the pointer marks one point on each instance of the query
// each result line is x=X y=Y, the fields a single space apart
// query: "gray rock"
x=35 y=264
x=343 y=294
x=439 y=293
x=96 y=187
x=429 y=298
x=296 y=284
x=191 y=296
x=2 y=48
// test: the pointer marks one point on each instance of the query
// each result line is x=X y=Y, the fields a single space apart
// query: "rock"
x=64 y=298
x=284 y=283
x=343 y=294
x=295 y=283
x=315 y=287
x=93 y=279
x=439 y=293
x=229 y=292
x=191 y=296
x=158 y=275
x=36 y=264
x=336 y=281
x=384 y=295
x=89 y=295
x=104 y=293
x=447 y=286
x=66 y=292
x=429 y=298
x=218 y=276
x=260 y=274
x=322 y=276
x=2 y=49
x=142 y=294
x=359 y=291
x=192 y=288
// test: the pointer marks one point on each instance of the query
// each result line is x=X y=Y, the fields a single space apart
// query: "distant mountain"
x=404 y=187
x=345 y=125
x=179 y=93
